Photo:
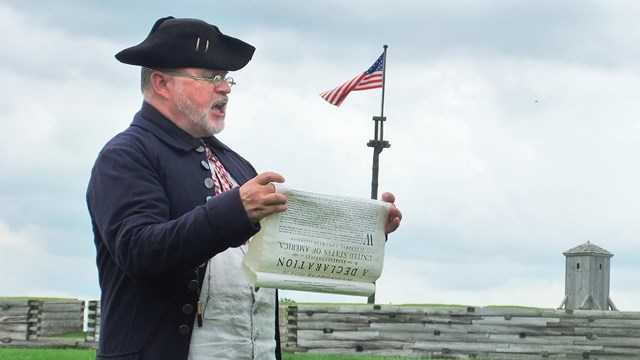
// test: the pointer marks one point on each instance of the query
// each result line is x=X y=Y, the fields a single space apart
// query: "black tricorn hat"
x=180 y=43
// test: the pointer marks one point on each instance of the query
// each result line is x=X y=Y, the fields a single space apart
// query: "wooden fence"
x=19 y=320
x=61 y=316
x=464 y=332
x=385 y=330
x=33 y=322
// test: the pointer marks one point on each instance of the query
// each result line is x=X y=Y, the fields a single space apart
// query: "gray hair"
x=145 y=79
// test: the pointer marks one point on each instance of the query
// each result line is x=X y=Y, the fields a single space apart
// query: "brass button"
x=209 y=197
x=200 y=149
x=184 y=329
x=205 y=164
x=187 y=309
x=208 y=183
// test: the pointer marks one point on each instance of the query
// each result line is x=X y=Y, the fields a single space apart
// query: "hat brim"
x=182 y=43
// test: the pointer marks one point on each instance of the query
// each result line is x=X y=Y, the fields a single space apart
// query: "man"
x=172 y=209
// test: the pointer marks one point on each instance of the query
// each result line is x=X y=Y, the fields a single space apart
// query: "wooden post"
x=34 y=319
x=93 y=321
x=292 y=327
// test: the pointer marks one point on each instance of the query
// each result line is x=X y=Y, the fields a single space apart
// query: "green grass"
x=341 y=357
x=80 y=335
x=47 y=354
x=77 y=354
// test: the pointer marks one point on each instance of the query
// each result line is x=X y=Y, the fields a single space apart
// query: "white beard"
x=200 y=117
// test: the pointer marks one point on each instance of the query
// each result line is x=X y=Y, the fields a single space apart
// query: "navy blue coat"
x=155 y=222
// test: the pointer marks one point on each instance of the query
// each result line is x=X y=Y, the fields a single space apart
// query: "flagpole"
x=378 y=144
x=384 y=72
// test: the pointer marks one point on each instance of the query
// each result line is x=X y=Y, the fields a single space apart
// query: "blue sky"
x=513 y=128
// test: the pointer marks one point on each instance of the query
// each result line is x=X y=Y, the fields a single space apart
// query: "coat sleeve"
x=131 y=213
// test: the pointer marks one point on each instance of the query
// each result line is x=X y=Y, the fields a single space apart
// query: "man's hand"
x=393 y=221
x=259 y=196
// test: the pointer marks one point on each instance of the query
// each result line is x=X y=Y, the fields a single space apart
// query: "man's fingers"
x=260 y=198
x=394 y=212
x=388 y=197
x=275 y=199
x=395 y=216
x=268 y=177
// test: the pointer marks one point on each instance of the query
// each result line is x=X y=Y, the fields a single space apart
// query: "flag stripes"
x=370 y=79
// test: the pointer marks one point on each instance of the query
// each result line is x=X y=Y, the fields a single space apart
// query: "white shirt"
x=238 y=321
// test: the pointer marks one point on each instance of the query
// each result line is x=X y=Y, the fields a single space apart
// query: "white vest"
x=238 y=322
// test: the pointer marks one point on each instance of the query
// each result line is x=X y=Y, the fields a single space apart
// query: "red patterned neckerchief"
x=221 y=178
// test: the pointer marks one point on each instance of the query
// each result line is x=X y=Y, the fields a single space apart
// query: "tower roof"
x=587 y=249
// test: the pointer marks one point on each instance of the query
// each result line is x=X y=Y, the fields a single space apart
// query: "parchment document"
x=322 y=243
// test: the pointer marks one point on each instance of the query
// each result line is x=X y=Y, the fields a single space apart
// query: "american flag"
x=370 y=79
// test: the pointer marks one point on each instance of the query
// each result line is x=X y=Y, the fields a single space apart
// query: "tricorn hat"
x=178 y=43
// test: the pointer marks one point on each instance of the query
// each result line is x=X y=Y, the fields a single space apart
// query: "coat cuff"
x=228 y=218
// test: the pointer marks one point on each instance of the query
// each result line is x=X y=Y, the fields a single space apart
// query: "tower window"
x=577 y=265
x=600 y=266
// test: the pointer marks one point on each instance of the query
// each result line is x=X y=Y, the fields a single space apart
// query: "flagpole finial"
x=385 y=46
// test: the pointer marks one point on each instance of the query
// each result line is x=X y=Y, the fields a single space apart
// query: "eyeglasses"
x=216 y=80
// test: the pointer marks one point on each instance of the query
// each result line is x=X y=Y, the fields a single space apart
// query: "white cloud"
x=509 y=144
x=17 y=254
x=29 y=268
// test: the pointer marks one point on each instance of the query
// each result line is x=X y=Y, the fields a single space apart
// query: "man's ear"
x=161 y=84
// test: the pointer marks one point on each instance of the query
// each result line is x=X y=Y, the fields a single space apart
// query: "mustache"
x=223 y=99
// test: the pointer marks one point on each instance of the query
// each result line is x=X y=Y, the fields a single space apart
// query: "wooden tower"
x=587 y=278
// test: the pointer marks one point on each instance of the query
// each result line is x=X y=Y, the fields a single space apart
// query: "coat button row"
x=184 y=329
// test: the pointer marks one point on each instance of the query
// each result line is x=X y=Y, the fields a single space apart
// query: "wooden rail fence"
x=19 y=320
x=463 y=332
x=61 y=316
x=385 y=330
